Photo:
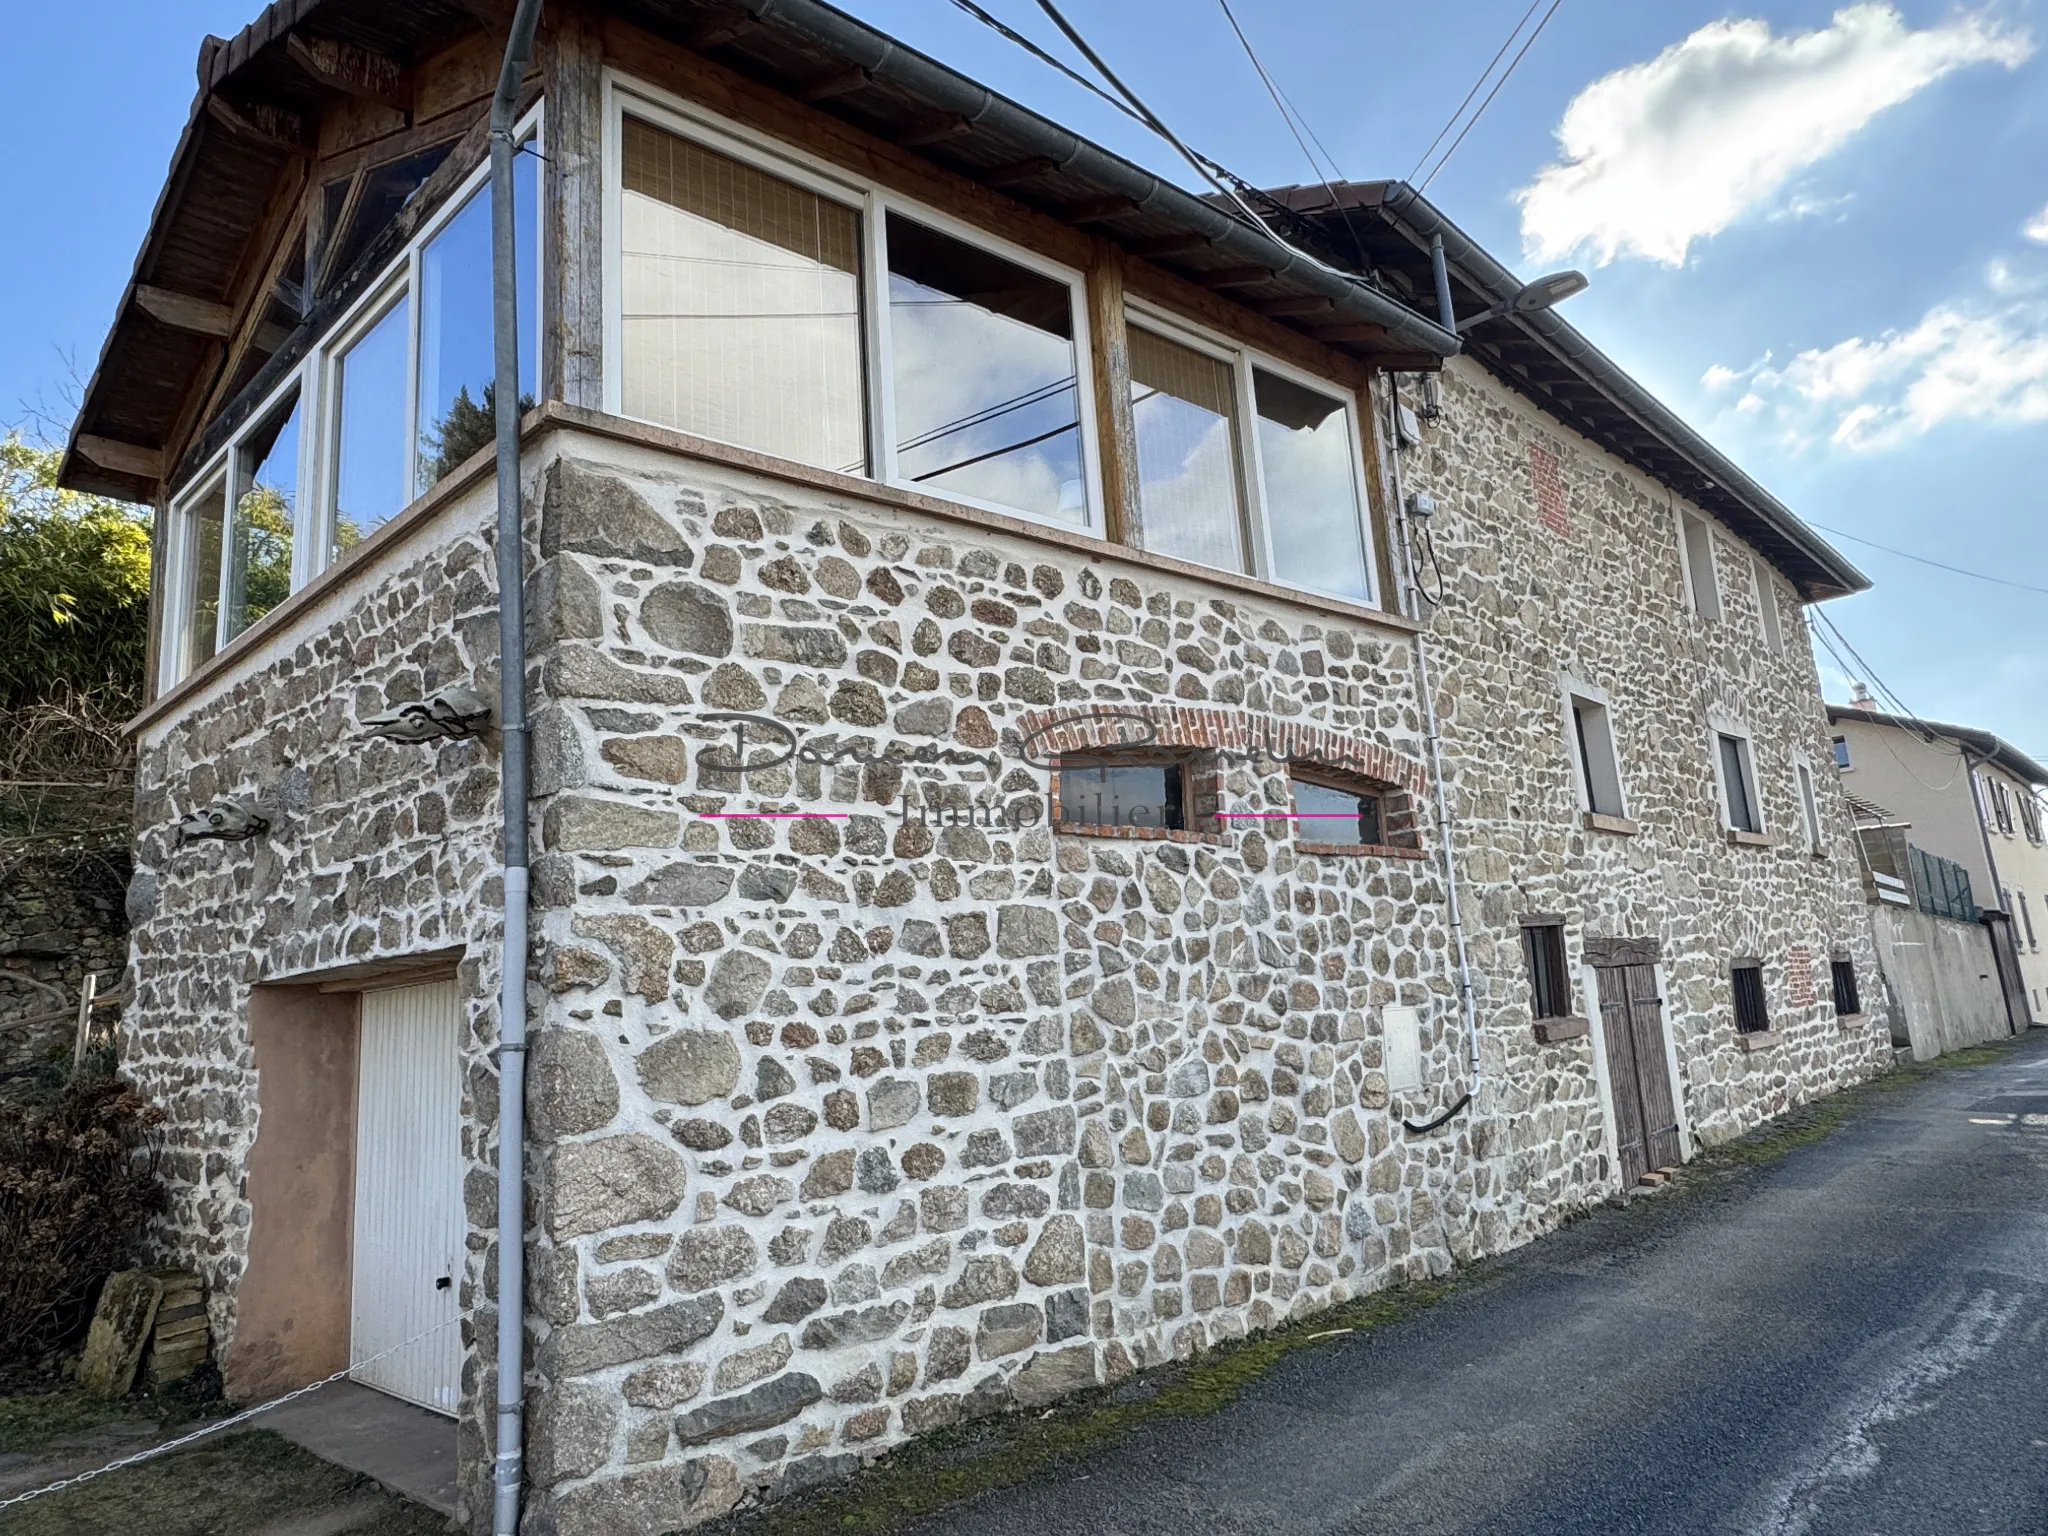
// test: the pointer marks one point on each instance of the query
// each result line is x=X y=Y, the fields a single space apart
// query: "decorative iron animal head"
x=450 y=715
x=226 y=821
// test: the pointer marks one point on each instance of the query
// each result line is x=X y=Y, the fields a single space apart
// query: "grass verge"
x=233 y=1486
x=953 y=1465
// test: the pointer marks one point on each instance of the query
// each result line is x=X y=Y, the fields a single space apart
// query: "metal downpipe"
x=509 y=1465
x=1468 y=1004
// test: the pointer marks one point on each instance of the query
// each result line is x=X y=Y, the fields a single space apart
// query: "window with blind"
x=741 y=303
x=1752 y=1016
x=1281 y=499
x=1738 y=784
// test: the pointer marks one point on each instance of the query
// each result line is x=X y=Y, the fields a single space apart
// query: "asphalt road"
x=1851 y=1340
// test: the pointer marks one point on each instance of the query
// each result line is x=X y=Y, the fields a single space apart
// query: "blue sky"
x=1807 y=227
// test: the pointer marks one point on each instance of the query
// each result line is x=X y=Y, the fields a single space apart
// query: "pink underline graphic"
x=1288 y=815
x=776 y=815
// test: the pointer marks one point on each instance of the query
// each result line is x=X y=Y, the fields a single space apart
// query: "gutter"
x=886 y=60
x=509 y=1466
x=1423 y=222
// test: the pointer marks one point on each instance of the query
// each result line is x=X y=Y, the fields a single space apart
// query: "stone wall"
x=60 y=917
x=865 y=1124
x=1558 y=559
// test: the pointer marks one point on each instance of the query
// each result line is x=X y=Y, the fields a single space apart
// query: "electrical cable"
x=1282 y=105
x=1858 y=538
x=1424 y=545
x=1473 y=121
x=1452 y=122
x=1044 y=57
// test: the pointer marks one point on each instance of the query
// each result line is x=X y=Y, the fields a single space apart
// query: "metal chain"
x=221 y=1424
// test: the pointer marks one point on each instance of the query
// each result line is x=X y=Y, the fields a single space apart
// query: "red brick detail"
x=1799 y=976
x=1548 y=476
x=1078 y=728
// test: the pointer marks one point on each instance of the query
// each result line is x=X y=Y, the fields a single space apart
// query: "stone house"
x=994 y=928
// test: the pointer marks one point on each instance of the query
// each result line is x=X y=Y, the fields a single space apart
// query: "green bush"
x=74 y=585
x=77 y=1182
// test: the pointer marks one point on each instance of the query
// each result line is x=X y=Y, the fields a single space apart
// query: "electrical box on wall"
x=1401 y=1048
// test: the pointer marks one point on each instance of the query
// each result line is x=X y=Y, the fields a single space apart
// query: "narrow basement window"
x=1334 y=812
x=1752 y=1017
x=1550 y=987
x=1142 y=792
x=1846 y=1000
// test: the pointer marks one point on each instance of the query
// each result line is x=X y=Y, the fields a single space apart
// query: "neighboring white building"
x=1972 y=797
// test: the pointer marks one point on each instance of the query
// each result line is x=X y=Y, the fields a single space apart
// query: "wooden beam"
x=1291 y=309
x=833 y=83
x=934 y=131
x=122 y=458
x=1171 y=245
x=270 y=337
x=351 y=70
x=726 y=28
x=1232 y=277
x=1017 y=172
x=1091 y=210
x=184 y=312
x=1115 y=430
x=260 y=123
x=1356 y=335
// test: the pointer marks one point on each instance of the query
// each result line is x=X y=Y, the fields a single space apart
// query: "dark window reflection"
x=987 y=399
x=259 y=562
x=1122 y=794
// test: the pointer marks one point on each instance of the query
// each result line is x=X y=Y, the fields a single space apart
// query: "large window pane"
x=741 y=304
x=1311 y=489
x=370 y=469
x=1184 y=406
x=458 y=401
x=205 y=514
x=987 y=402
x=266 y=491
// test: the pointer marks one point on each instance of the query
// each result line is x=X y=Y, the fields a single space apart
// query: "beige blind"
x=1182 y=372
x=741 y=304
x=1184 y=410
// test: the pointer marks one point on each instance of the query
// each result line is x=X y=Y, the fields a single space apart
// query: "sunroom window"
x=741 y=303
x=1282 y=500
x=774 y=307
x=397 y=396
x=987 y=384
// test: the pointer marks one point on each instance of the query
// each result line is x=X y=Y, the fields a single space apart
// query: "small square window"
x=1140 y=792
x=1752 y=1016
x=1550 y=987
x=1330 y=813
x=1846 y=1000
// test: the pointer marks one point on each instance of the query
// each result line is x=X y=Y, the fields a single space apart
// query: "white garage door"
x=409 y=1222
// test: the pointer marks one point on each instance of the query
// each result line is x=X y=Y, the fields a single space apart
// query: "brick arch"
x=1079 y=728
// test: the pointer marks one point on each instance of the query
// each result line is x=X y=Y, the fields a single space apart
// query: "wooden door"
x=409 y=1220
x=1638 y=1073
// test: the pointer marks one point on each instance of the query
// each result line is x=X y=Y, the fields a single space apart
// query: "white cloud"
x=1660 y=154
x=1957 y=363
x=2036 y=228
x=1719 y=376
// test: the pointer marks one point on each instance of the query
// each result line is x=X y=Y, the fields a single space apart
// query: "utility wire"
x=1044 y=57
x=1282 y=106
x=1452 y=121
x=1473 y=120
x=1857 y=538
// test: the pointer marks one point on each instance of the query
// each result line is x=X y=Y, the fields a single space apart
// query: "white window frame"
x=1704 y=601
x=1574 y=691
x=1769 y=615
x=624 y=93
x=314 y=379
x=1806 y=801
x=1242 y=360
x=1848 y=751
x=1717 y=727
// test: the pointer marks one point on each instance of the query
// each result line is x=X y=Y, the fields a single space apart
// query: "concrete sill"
x=1752 y=839
x=1556 y=1031
x=1760 y=1040
x=1851 y=1020
x=1620 y=826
